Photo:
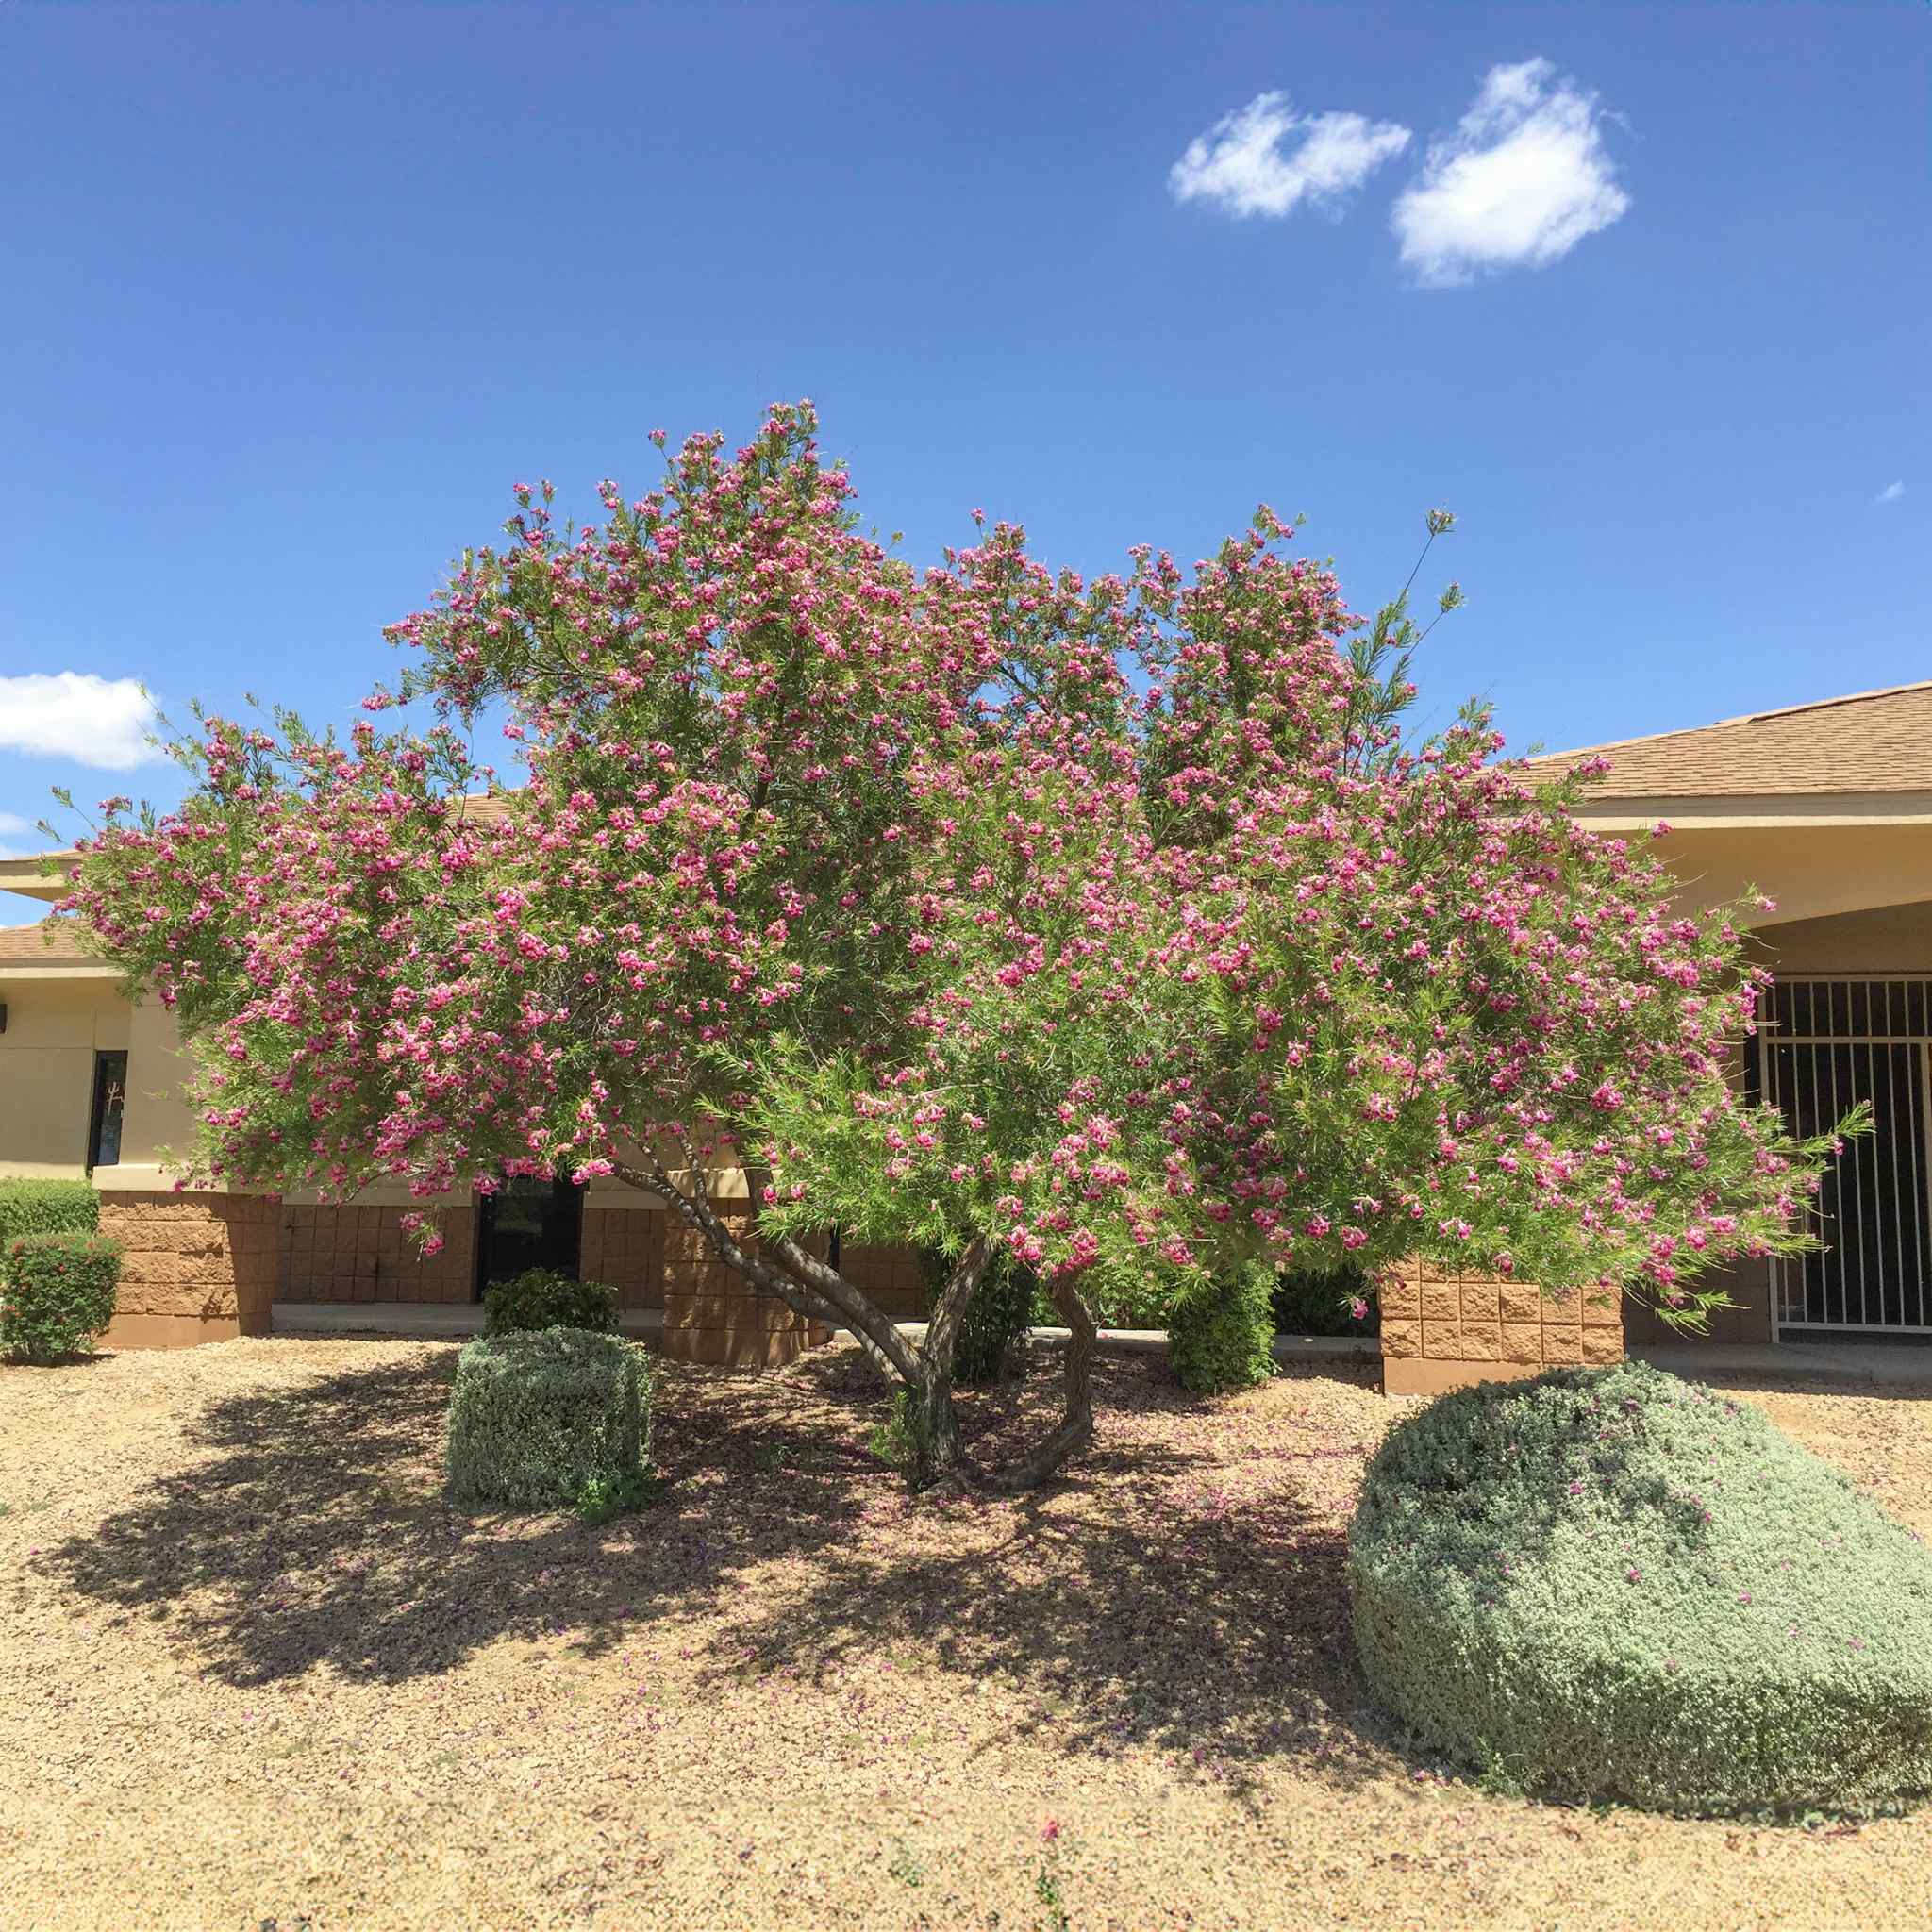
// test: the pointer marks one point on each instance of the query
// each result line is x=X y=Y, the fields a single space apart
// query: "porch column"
x=197 y=1267
x=1444 y=1329
x=713 y=1315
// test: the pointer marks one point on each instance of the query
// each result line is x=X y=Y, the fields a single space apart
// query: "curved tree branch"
x=1075 y=1430
x=804 y=1284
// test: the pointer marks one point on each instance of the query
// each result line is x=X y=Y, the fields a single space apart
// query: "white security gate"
x=1830 y=1044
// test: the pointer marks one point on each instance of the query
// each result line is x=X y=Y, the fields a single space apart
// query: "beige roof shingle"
x=1870 y=740
x=50 y=942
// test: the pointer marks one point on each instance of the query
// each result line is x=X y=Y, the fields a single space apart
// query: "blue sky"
x=293 y=294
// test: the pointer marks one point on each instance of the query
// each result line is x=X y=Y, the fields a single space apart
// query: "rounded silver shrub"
x=536 y=1417
x=1613 y=1583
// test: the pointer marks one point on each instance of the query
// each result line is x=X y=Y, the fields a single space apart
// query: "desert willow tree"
x=898 y=894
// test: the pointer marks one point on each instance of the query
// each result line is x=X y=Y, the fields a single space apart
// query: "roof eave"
x=1785 y=810
x=15 y=970
x=33 y=877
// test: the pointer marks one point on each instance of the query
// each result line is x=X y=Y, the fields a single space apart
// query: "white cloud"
x=1523 y=179
x=101 y=721
x=1239 y=163
x=1890 y=493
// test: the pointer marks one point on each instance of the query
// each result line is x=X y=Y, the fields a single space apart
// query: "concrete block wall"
x=197 y=1267
x=1442 y=1328
x=208 y=1267
x=888 y=1273
x=713 y=1315
x=624 y=1248
x=360 y=1254
x=1746 y=1282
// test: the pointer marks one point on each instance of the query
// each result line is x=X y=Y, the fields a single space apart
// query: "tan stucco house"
x=1827 y=810
x=90 y=1086
x=1824 y=807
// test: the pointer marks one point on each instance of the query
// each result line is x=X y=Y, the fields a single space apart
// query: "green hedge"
x=545 y=1418
x=1609 y=1583
x=48 y=1208
x=57 y=1294
x=1222 y=1338
x=542 y=1298
x=1322 y=1303
x=1001 y=1310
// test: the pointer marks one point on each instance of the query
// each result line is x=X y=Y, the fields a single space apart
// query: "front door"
x=528 y=1223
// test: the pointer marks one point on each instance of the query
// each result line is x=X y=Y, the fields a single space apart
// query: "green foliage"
x=1002 y=1309
x=542 y=1298
x=1322 y=1303
x=540 y=1417
x=1609 y=1583
x=1050 y=1881
x=898 y=1441
x=1222 y=1338
x=47 y=1208
x=57 y=1294
x=603 y=1498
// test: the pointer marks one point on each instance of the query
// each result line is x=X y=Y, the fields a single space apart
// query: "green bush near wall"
x=48 y=1208
x=548 y=1417
x=1324 y=1303
x=1222 y=1337
x=542 y=1298
x=1609 y=1583
x=57 y=1294
x=1003 y=1308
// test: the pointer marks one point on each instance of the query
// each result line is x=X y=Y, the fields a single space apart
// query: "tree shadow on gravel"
x=1141 y=1600
x=1137 y=1602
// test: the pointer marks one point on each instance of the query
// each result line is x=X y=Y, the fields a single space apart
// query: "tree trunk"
x=924 y=1371
x=1075 y=1430
x=929 y=1398
x=936 y=1451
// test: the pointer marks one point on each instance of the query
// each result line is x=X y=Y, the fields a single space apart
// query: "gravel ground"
x=254 y=1674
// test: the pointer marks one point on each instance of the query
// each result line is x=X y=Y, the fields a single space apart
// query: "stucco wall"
x=54 y=1029
x=56 y=1023
x=1813 y=871
x=156 y=1119
x=1883 y=939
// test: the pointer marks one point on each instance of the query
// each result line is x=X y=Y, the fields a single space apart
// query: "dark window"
x=104 y=1122
x=528 y=1223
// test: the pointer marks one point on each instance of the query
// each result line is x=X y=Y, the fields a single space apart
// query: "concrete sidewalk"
x=1851 y=1363
x=1896 y=1365
x=412 y=1318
